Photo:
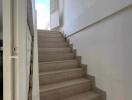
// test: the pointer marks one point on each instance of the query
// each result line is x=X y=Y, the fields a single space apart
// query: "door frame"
x=8 y=93
x=14 y=30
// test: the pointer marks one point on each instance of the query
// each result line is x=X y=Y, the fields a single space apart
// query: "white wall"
x=54 y=19
x=36 y=91
x=107 y=49
x=81 y=13
x=61 y=12
x=54 y=14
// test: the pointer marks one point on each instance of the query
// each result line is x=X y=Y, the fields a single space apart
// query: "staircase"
x=62 y=76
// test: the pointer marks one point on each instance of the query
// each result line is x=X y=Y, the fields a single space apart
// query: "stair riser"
x=47 y=32
x=64 y=92
x=51 y=40
x=61 y=76
x=50 y=35
x=53 y=45
x=96 y=98
x=54 y=51
x=47 y=58
x=85 y=96
x=57 y=66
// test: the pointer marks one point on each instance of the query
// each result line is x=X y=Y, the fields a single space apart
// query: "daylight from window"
x=43 y=14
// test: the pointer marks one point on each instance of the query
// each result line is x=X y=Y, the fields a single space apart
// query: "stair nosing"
x=94 y=94
x=54 y=43
x=65 y=84
x=48 y=32
x=54 y=60
x=71 y=53
x=55 y=48
x=60 y=71
x=59 y=61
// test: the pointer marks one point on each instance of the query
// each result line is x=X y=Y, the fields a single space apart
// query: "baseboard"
x=101 y=92
x=96 y=89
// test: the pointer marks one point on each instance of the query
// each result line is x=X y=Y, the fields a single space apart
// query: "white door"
x=14 y=49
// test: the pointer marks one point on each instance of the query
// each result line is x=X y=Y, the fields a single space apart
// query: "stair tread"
x=55 y=49
x=56 y=56
x=58 y=65
x=59 y=54
x=53 y=45
x=51 y=41
x=60 y=71
x=62 y=84
x=45 y=35
x=48 y=32
x=84 y=96
x=62 y=61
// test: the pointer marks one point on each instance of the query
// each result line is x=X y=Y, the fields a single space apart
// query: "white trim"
x=20 y=31
x=7 y=50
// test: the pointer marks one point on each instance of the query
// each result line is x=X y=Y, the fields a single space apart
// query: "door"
x=14 y=49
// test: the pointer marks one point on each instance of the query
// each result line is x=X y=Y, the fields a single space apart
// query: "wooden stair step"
x=53 y=45
x=48 y=32
x=59 y=76
x=56 y=57
x=58 y=65
x=49 y=35
x=54 y=50
x=85 y=96
x=45 y=39
x=64 y=89
x=51 y=41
